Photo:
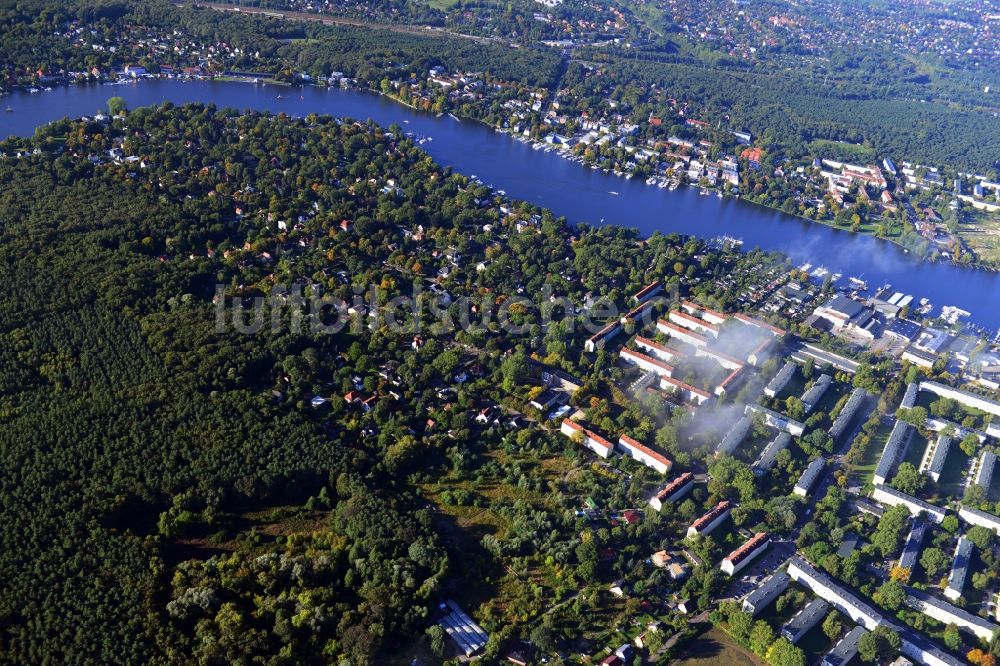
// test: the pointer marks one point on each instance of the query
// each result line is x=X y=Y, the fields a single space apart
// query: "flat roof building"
x=977 y=517
x=845 y=649
x=846 y=414
x=967 y=399
x=895 y=449
x=910 y=397
x=893 y=497
x=816 y=392
x=780 y=380
x=911 y=549
x=933 y=461
x=984 y=473
x=776 y=420
x=737 y=433
x=770 y=453
x=809 y=476
x=766 y=592
x=805 y=619
x=944 y=612
x=959 y=569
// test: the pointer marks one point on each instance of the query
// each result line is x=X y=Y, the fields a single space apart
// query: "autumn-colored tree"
x=900 y=574
x=981 y=657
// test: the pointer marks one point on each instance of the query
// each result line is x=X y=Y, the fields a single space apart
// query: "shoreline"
x=976 y=264
x=365 y=111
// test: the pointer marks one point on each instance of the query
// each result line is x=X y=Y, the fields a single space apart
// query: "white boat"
x=613 y=192
x=805 y=267
x=858 y=283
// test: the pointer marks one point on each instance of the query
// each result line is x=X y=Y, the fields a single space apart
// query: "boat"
x=280 y=97
x=613 y=193
x=805 y=267
x=719 y=194
x=858 y=283
x=821 y=272
x=8 y=109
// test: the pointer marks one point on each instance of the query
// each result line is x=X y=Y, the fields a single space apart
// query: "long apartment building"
x=737 y=433
x=846 y=414
x=984 y=470
x=816 y=392
x=646 y=362
x=944 y=612
x=649 y=291
x=599 y=339
x=776 y=420
x=911 y=549
x=807 y=618
x=673 y=491
x=962 y=397
x=682 y=334
x=686 y=391
x=695 y=324
x=655 y=349
x=770 y=453
x=766 y=592
x=809 y=477
x=959 y=569
x=708 y=314
x=977 y=517
x=591 y=440
x=935 y=454
x=915 y=646
x=780 y=380
x=845 y=649
x=745 y=554
x=895 y=449
x=636 y=450
x=712 y=519
x=916 y=506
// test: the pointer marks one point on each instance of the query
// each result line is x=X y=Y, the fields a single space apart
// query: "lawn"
x=715 y=648
x=982 y=236
x=861 y=474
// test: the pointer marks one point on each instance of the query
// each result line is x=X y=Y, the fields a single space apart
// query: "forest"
x=150 y=458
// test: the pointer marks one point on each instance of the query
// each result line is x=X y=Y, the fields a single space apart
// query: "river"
x=577 y=192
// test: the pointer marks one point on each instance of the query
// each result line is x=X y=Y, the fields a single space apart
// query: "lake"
x=569 y=189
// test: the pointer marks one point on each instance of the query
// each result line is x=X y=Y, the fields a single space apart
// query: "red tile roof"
x=741 y=553
x=659 y=457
